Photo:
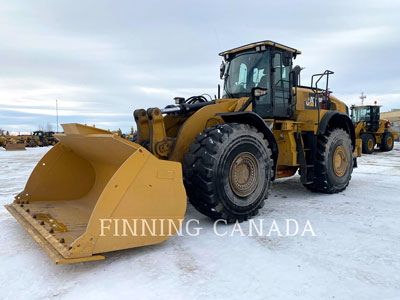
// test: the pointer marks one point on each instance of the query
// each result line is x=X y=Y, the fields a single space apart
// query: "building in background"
x=393 y=117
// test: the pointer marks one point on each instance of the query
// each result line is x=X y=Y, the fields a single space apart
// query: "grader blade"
x=95 y=192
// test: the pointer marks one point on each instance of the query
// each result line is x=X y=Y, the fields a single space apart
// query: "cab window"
x=242 y=80
x=246 y=71
x=360 y=115
x=281 y=91
x=281 y=72
x=258 y=74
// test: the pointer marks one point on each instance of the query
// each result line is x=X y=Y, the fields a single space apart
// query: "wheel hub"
x=390 y=141
x=340 y=162
x=370 y=144
x=243 y=174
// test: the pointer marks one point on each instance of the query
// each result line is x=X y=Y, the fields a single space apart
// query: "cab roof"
x=262 y=43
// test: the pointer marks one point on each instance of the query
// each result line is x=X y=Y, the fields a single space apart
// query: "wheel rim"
x=390 y=141
x=370 y=144
x=243 y=174
x=340 y=161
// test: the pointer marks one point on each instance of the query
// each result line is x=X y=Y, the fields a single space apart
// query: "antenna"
x=57 y=113
x=362 y=97
x=216 y=35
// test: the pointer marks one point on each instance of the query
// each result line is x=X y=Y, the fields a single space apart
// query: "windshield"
x=244 y=72
x=360 y=114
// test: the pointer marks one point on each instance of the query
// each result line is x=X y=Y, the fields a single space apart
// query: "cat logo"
x=311 y=101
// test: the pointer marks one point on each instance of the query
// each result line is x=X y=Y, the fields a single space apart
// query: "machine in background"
x=371 y=129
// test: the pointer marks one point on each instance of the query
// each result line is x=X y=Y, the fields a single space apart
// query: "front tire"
x=334 y=162
x=227 y=172
x=387 y=142
x=368 y=143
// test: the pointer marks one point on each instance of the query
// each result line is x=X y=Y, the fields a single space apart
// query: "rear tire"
x=334 y=162
x=227 y=172
x=368 y=143
x=387 y=142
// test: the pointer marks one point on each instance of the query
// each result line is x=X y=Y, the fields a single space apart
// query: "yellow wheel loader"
x=84 y=195
x=42 y=139
x=37 y=139
x=371 y=129
x=50 y=139
x=131 y=136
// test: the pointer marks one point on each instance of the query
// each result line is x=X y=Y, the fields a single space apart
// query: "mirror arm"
x=254 y=96
x=247 y=103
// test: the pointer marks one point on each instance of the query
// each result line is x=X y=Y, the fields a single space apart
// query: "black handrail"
x=315 y=90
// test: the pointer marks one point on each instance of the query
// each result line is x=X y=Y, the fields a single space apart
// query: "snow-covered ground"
x=354 y=255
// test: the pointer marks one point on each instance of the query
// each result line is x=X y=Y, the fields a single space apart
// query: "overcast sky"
x=104 y=59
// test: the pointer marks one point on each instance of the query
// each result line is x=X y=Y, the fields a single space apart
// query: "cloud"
x=104 y=59
x=385 y=100
x=48 y=112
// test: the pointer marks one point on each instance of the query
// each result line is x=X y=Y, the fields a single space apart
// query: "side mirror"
x=222 y=70
x=287 y=58
x=257 y=92
x=295 y=73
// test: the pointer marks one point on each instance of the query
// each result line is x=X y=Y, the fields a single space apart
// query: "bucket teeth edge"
x=50 y=250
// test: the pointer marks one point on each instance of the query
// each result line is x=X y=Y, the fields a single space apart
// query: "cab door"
x=375 y=116
x=280 y=84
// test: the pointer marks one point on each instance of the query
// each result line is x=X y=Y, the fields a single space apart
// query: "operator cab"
x=49 y=133
x=38 y=133
x=265 y=65
x=370 y=114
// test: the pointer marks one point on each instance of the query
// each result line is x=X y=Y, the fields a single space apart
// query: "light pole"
x=362 y=97
x=57 y=113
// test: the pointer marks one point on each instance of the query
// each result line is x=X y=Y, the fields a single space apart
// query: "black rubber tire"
x=325 y=180
x=366 y=137
x=385 y=145
x=143 y=144
x=207 y=171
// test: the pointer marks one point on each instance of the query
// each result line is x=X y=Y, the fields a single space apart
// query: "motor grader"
x=221 y=154
x=371 y=129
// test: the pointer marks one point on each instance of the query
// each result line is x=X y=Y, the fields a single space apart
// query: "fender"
x=251 y=118
x=337 y=119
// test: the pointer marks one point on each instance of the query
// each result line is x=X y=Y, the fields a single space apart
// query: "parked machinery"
x=41 y=138
x=12 y=142
x=372 y=129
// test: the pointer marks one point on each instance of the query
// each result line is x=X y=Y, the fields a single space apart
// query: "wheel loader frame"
x=266 y=131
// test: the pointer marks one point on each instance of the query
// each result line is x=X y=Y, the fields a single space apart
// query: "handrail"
x=316 y=95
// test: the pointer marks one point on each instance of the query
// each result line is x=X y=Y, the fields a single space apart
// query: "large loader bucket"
x=95 y=192
x=15 y=147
